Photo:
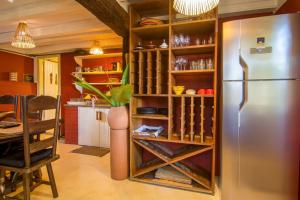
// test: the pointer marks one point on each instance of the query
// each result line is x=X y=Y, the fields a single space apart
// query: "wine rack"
x=188 y=142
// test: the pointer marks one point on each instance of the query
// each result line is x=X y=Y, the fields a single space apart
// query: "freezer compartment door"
x=270 y=47
x=261 y=140
x=232 y=70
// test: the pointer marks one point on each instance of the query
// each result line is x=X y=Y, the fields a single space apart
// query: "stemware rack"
x=188 y=143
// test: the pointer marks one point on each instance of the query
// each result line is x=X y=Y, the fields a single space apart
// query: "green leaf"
x=125 y=76
x=121 y=95
x=91 y=88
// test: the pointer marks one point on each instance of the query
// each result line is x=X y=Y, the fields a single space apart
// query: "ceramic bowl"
x=178 y=90
x=191 y=92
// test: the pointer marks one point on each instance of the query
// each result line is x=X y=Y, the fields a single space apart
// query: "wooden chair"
x=9 y=100
x=35 y=154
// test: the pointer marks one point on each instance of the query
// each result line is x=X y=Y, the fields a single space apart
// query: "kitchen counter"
x=74 y=115
x=96 y=105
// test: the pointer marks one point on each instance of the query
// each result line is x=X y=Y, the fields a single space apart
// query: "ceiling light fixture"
x=96 y=49
x=194 y=7
x=22 y=38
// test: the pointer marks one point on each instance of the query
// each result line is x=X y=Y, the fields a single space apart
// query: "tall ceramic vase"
x=119 y=159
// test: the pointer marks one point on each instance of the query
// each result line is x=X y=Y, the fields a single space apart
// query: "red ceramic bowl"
x=201 y=91
x=209 y=91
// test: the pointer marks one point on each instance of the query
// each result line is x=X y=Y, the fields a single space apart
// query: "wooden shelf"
x=172 y=140
x=194 y=26
x=193 y=72
x=152 y=32
x=150 y=95
x=195 y=49
x=99 y=73
x=78 y=59
x=150 y=168
x=200 y=176
x=196 y=95
x=190 y=125
x=152 y=180
x=152 y=50
x=105 y=84
x=150 y=116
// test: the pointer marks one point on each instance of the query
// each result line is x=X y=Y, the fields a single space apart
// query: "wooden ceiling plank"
x=63 y=47
x=76 y=27
x=90 y=36
x=39 y=7
x=110 y=13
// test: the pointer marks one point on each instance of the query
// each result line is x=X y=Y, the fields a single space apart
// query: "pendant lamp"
x=22 y=38
x=96 y=49
x=194 y=7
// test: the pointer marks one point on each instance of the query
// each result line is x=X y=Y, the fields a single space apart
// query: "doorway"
x=49 y=79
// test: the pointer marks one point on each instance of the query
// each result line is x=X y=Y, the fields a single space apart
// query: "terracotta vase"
x=119 y=159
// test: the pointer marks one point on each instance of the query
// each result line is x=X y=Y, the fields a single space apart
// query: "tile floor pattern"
x=83 y=177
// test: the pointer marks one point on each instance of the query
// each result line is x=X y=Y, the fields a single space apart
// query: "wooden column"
x=192 y=123
x=141 y=72
x=182 y=117
x=149 y=72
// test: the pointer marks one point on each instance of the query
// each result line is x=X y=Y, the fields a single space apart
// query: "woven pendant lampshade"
x=96 y=49
x=194 y=7
x=22 y=38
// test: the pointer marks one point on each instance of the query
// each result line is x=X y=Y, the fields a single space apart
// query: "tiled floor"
x=82 y=177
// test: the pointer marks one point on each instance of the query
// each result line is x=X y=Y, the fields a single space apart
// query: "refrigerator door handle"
x=245 y=83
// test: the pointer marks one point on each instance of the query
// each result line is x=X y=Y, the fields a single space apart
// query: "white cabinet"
x=93 y=128
x=104 y=130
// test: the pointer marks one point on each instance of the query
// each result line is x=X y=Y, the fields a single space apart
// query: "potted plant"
x=118 y=98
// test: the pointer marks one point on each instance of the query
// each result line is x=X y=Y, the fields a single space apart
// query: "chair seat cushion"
x=16 y=159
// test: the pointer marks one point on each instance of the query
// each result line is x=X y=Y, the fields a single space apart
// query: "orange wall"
x=67 y=88
x=68 y=66
x=22 y=65
x=14 y=63
x=106 y=63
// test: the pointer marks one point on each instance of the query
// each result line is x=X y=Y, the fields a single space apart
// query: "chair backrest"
x=10 y=100
x=31 y=128
x=33 y=115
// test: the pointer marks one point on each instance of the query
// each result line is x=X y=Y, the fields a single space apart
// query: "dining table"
x=12 y=134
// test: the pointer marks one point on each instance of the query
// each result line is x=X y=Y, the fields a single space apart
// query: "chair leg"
x=52 y=180
x=14 y=180
x=26 y=186
x=2 y=184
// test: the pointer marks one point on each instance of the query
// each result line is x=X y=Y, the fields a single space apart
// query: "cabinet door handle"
x=97 y=117
x=100 y=116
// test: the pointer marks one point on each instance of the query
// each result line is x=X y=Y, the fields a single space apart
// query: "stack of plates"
x=13 y=76
x=150 y=22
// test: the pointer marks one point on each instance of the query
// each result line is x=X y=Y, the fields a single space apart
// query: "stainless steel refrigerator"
x=261 y=109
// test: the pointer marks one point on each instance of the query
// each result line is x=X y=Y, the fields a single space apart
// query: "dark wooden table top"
x=10 y=134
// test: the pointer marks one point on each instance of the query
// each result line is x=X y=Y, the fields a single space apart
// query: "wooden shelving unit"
x=99 y=78
x=189 y=138
x=193 y=49
x=99 y=73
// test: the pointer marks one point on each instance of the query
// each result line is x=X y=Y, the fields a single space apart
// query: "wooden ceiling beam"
x=111 y=13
